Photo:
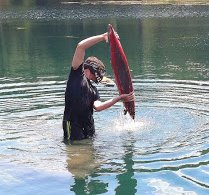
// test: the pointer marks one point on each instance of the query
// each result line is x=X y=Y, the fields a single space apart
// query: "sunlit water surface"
x=165 y=148
x=164 y=151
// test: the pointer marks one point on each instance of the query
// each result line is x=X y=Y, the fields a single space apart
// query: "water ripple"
x=170 y=132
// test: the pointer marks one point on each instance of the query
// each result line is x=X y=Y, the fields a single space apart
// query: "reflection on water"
x=164 y=150
x=127 y=176
x=81 y=163
x=81 y=158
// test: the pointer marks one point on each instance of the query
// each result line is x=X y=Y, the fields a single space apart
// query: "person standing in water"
x=81 y=97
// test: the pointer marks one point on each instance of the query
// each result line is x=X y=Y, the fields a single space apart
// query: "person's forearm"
x=88 y=42
x=107 y=104
x=82 y=46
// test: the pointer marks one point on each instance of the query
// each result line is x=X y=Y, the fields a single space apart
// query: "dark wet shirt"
x=80 y=95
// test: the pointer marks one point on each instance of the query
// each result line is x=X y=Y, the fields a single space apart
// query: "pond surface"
x=164 y=151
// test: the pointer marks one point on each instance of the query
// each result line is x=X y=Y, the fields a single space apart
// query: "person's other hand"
x=128 y=97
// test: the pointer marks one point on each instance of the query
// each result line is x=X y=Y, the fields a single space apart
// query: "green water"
x=157 y=48
x=164 y=150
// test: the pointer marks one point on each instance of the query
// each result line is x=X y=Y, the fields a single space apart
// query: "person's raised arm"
x=79 y=54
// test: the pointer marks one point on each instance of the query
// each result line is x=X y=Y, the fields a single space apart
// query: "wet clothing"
x=80 y=94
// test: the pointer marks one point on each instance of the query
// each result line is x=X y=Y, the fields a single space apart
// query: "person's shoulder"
x=79 y=69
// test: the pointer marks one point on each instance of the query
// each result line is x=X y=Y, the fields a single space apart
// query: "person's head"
x=94 y=69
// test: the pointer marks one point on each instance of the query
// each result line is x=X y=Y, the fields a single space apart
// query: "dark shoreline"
x=142 y=2
x=31 y=3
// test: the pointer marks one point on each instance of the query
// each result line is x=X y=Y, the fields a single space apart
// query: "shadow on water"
x=127 y=183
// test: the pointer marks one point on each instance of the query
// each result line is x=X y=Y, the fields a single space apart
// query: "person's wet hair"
x=96 y=67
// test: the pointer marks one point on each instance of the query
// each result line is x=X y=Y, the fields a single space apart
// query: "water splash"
x=126 y=123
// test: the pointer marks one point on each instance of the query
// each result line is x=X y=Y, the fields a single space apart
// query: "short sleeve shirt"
x=80 y=95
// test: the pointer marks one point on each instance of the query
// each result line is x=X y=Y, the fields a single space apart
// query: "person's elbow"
x=98 y=108
x=80 y=47
x=78 y=56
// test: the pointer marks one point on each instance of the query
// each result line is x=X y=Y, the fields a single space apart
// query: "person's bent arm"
x=79 y=54
x=99 y=106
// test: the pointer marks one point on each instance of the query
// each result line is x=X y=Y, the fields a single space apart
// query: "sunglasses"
x=95 y=70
